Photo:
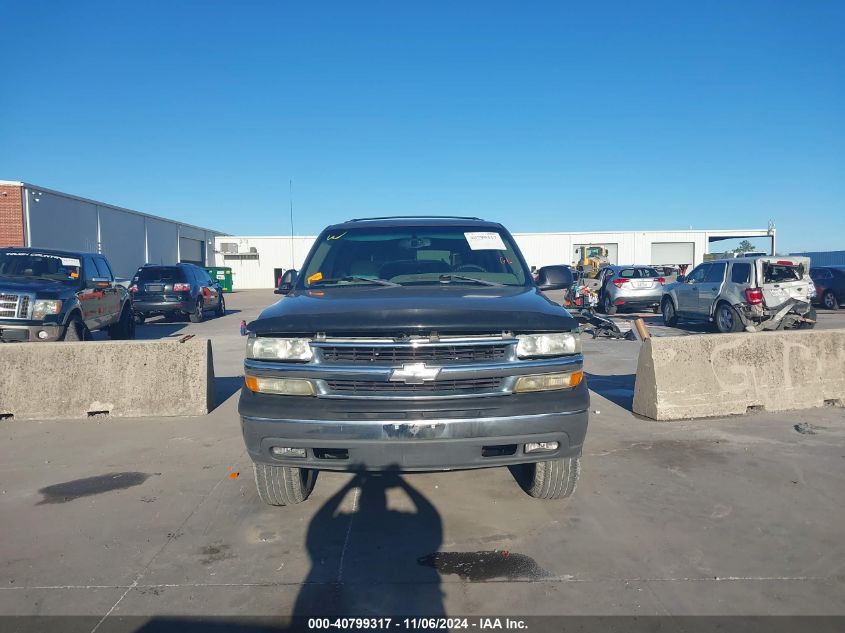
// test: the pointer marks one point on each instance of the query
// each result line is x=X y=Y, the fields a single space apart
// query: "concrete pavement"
x=122 y=517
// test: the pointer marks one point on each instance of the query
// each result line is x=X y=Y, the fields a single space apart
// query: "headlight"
x=548 y=382
x=557 y=344
x=43 y=307
x=280 y=386
x=266 y=348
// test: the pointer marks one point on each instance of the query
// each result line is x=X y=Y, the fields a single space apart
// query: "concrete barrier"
x=683 y=377
x=40 y=381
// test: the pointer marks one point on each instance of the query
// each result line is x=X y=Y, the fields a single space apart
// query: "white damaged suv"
x=744 y=294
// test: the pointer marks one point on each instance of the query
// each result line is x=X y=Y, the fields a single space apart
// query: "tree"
x=744 y=247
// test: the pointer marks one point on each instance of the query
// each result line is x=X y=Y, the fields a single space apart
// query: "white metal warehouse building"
x=42 y=218
x=257 y=261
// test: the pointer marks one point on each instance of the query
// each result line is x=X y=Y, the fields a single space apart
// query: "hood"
x=387 y=311
x=42 y=288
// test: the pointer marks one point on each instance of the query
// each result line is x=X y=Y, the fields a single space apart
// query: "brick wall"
x=11 y=216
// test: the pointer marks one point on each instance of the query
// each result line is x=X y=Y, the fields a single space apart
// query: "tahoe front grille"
x=368 y=387
x=14 y=306
x=398 y=355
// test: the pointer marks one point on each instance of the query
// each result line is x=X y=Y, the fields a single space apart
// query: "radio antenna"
x=290 y=193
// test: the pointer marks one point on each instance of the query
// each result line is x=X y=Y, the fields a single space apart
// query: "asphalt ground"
x=114 y=518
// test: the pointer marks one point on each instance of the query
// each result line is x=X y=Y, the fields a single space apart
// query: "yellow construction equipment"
x=590 y=259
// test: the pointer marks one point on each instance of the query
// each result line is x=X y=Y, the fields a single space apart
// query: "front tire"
x=670 y=317
x=283 y=485
x=76 y=330
x=727 y=319
x=554 y=479
x=197 y=315
x=221 y=307
x=830 y=301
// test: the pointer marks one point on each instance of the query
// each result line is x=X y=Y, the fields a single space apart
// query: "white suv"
x=751 y=294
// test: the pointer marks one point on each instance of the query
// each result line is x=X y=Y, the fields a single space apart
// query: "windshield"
x=40 y=266
x=415 y=256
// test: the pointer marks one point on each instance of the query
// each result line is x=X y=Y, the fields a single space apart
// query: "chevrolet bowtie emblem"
x=414 y=374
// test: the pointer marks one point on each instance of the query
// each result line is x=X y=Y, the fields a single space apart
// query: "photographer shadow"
x=370 y=549
x=365 y=562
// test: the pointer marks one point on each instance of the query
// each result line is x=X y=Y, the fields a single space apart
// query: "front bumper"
x=22 y=333
x=420 y=436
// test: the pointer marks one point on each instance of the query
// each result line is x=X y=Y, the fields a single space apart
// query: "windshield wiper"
x=372 y=280
x=483 y=282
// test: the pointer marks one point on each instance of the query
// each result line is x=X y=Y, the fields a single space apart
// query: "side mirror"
x=555 y=278
x=681 y=279
x=286 y=285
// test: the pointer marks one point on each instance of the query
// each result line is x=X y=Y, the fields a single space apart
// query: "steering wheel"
x=467 y=268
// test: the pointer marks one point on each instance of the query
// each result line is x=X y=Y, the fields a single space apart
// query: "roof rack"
x=417 y=217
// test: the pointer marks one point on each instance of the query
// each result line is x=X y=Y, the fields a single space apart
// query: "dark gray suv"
x=177 y=290
x=414 y=344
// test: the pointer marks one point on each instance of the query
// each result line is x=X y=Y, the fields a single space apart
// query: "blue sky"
x=544 y=116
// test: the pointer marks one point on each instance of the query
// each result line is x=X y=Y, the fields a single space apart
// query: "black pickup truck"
x=414 y=344
x=51 y=295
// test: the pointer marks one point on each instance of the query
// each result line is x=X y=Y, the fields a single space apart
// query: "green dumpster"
x=223 y=274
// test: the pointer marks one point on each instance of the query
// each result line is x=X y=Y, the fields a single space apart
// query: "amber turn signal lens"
x=280 y=386
x=548 y=382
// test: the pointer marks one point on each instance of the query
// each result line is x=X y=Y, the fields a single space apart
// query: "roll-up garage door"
x=672 y=253
x=191 y=251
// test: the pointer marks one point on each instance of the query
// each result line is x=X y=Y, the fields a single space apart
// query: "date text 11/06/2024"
x=416 y=623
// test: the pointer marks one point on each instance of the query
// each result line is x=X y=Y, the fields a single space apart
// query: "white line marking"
x=348 y=532
x=553 y=579
x=114 y=606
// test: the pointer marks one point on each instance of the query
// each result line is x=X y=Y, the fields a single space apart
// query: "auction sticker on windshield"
x=66 y=261
x=485 y=241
